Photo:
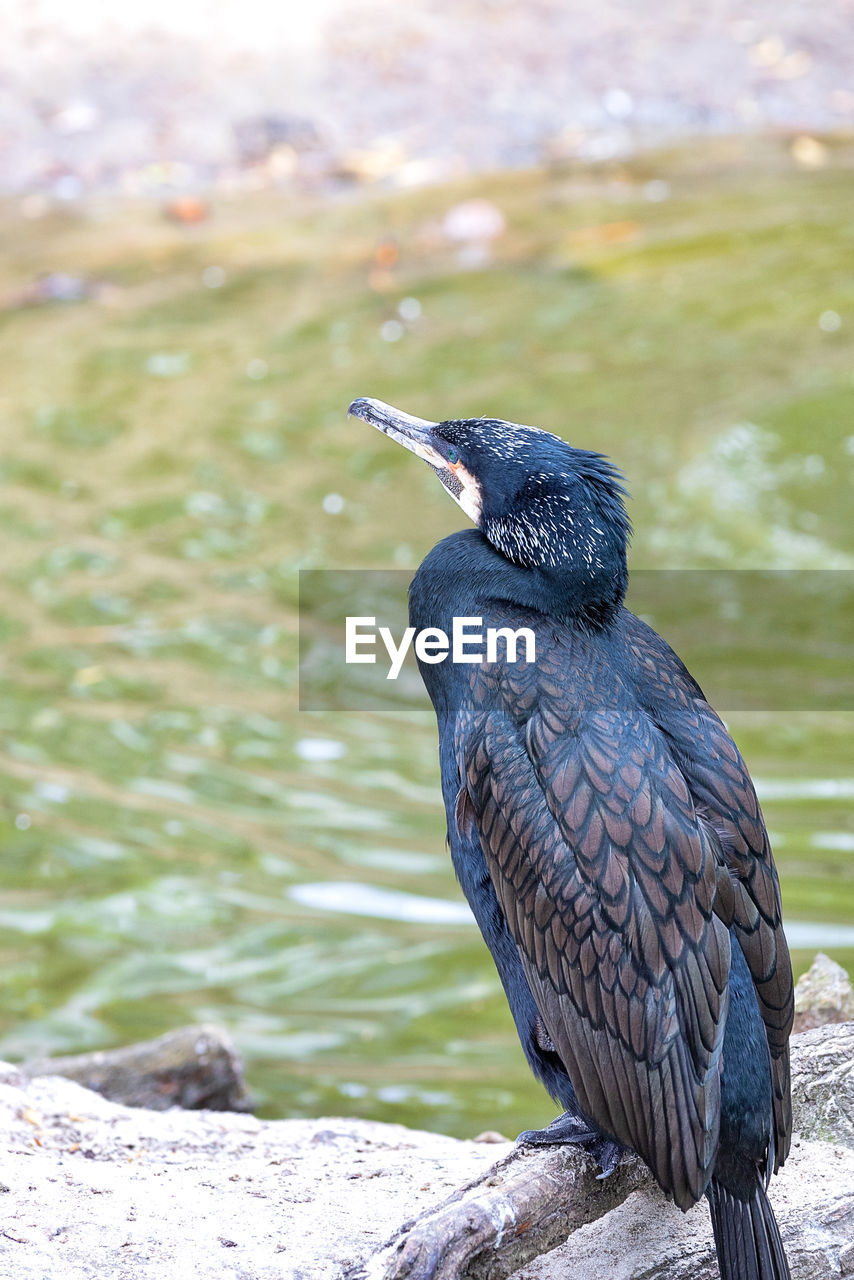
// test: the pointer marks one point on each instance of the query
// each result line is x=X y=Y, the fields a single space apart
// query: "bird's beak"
x=415 y=434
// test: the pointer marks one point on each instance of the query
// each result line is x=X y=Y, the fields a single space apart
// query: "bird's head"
x=539 y=502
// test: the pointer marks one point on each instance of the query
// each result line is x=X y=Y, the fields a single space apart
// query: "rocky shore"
x=91 y=1188
x=393 y=92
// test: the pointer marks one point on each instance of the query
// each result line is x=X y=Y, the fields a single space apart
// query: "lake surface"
x=180 y=842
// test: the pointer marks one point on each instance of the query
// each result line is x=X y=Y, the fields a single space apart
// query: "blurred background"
x=220 y=224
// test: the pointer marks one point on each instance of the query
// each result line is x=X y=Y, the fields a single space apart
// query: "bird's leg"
x=572 y=1128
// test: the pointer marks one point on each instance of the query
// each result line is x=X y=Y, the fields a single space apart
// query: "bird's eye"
x=453 y=457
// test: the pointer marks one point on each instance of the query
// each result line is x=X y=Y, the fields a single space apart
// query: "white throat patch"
x=465 y=489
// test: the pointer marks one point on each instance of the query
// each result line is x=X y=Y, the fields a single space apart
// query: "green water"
x=180 y=843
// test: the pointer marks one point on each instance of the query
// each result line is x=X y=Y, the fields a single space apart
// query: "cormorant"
x=606 y=833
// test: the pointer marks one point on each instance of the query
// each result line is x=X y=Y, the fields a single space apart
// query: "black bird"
x=606 y=833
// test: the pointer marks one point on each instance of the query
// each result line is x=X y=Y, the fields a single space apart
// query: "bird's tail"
x=747 y=1238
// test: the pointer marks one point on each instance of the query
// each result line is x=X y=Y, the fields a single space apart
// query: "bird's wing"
x=748 y=890
x=607 y=882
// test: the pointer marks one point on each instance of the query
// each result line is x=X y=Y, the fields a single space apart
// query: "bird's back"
x=620 y=834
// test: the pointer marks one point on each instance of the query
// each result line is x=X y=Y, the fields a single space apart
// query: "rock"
x=474 y=220
x=99 y=1189
x=624 y=1227
x=527 y=1204
x=823 y=1084
x=187 y=210
x=192 y=1067
x=823 y=994
x=813 y=1199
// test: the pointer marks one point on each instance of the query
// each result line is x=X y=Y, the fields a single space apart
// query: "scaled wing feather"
x=607 y=881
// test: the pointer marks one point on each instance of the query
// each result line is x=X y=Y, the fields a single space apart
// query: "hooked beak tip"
x=357 y=408
x=386 y=418
x=415 y=434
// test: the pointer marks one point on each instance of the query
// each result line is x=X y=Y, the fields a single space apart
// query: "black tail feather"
x=747 y=1238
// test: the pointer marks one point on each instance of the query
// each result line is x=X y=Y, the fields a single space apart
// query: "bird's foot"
x=566 y=1128
x=571 y=1129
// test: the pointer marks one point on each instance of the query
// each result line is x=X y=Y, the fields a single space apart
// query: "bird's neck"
x=465 y=577
x=464 y=574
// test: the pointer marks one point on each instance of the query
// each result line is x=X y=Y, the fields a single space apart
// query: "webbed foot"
x=570 y=1128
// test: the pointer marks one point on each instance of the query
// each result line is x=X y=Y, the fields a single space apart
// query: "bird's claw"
x=607 y=1154
x=570 y=1129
